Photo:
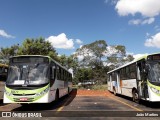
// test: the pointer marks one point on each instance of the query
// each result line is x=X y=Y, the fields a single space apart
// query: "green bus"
x=36 y=79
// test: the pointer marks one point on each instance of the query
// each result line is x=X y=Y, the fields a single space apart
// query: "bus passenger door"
x=139 y=80
x=142 y=80
x=109 y=82
x=118 y=82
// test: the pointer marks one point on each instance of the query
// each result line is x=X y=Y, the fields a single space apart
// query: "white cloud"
x=139 y=21
x=4 y=34
x=78 y=41
x=157 y=28
x=135 y=21
x=148 y=21
x=129 y=53
x=80 y=46
x=147 y=8
x=106 y=1
x=147 y=34
x=61 y=41
x=153 y=41
x=111 y=1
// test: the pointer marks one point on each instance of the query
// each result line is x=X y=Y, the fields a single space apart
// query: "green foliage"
x=95 y=55
x=6 y=53
x=118 y=56
x=37 y=46
x=99 y=87
x=100 y=75
x=91 y=67
x=97 y=47
x=121 y=50
x=92 y=53
x=83 y=74
x=9 y=51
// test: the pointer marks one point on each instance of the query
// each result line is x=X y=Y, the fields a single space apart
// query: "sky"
x=69 y=24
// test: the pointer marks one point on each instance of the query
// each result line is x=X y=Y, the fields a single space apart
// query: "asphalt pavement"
x=78 y=107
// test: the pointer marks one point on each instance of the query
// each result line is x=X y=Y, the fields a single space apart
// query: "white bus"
x=36 y=79
x=139 y=79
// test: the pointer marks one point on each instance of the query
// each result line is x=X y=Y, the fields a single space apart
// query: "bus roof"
x=42 y=56
x=134 y=61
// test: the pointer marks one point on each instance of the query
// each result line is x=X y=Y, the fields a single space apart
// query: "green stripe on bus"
x=42 y=91
x=156 y=88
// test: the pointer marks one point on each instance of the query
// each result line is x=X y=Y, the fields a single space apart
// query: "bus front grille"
x=23 y=94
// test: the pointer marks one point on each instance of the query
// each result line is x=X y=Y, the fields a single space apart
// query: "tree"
x=83 y=74
x=63 y=60
x=101 y=58
x=37 y=46
x=116 y=56
x=92 y=53
x=92 y=58
x=97 y=48
x=8 y=52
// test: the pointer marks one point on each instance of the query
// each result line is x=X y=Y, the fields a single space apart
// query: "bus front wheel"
x=57 y=95
x=135 y=96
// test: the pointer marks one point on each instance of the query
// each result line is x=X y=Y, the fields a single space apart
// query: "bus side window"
x=64 y=75
x=53 y=72
x=60 y=73
x=57 y=71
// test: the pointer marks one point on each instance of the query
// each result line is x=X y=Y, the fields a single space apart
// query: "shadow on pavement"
x=155 y=105
x=72 y=95
x=1 y=102
x=64 y=101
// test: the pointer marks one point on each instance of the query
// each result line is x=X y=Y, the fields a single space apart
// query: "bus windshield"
x=154 y=71
x=30 y=73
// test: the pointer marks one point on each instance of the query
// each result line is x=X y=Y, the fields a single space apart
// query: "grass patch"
x=91 y=87
x=99 y=87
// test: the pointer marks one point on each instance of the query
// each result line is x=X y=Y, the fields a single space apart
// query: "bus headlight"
x=155 y=90
x=8 y=93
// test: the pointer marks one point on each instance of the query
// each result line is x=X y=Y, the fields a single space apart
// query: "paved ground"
x=90 y=104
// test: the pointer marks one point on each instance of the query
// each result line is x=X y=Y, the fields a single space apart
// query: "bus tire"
x=135 y=96
x=57 y=95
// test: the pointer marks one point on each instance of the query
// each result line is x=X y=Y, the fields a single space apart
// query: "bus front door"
x=142 y=81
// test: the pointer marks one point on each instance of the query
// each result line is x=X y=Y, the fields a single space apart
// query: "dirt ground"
x=93 y=93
